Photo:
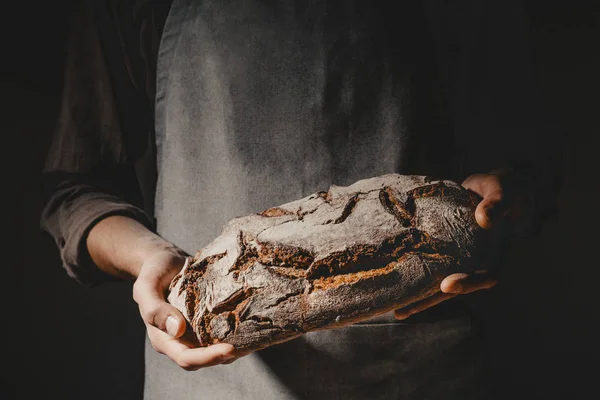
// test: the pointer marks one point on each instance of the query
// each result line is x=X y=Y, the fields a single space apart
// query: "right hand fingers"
x=165 y=324
x=154 y=309
x=189 y=358
x=149 y=293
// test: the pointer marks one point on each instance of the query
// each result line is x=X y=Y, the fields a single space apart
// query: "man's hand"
x=123 y=247
x=493 y=208
x=165 y=324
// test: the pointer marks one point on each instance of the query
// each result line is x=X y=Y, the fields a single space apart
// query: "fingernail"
x=229 y=359
x=456 y=289
x=402 y=316
x=226 y=357
x=488 y=212
x=172 y=326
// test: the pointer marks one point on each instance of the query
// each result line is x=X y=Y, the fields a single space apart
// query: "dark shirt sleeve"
x=74 y=206
x=89 y=173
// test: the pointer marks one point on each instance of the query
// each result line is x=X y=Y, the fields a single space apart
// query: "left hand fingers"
x=450 y=287
x=489 y=211
x=403 y=313
x=492 y=207
x=462 y=283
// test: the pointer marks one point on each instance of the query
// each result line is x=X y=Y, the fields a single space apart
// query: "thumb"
x=155 y=310
x=489 y=210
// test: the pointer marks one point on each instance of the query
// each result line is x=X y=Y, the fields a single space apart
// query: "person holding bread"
x=177 y=117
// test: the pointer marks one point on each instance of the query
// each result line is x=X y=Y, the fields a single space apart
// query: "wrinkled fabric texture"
x=72 y=212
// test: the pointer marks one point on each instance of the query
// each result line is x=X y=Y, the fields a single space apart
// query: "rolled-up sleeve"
x=71 y=212
x=87 y=176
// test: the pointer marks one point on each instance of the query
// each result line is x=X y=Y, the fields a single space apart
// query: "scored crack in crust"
x=328 y=260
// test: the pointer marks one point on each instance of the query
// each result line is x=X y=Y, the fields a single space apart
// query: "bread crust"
x=327 y=260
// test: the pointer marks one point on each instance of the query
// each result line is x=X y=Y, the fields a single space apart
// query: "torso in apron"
x=263 y=102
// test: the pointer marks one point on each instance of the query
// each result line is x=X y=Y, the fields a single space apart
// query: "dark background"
x=541 y=321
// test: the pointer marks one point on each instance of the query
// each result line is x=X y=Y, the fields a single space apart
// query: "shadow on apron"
x=381 y=360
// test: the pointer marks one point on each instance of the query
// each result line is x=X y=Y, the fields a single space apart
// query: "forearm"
x=119 y=246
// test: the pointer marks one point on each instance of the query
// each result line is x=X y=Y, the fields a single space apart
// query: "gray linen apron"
x=264 y=102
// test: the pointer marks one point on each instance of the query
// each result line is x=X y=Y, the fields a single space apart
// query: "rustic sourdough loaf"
x=330 y=259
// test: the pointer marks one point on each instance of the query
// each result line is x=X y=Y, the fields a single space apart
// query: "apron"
x=263 y=102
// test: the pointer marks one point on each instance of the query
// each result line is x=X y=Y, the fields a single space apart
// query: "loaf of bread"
x=328 y=260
